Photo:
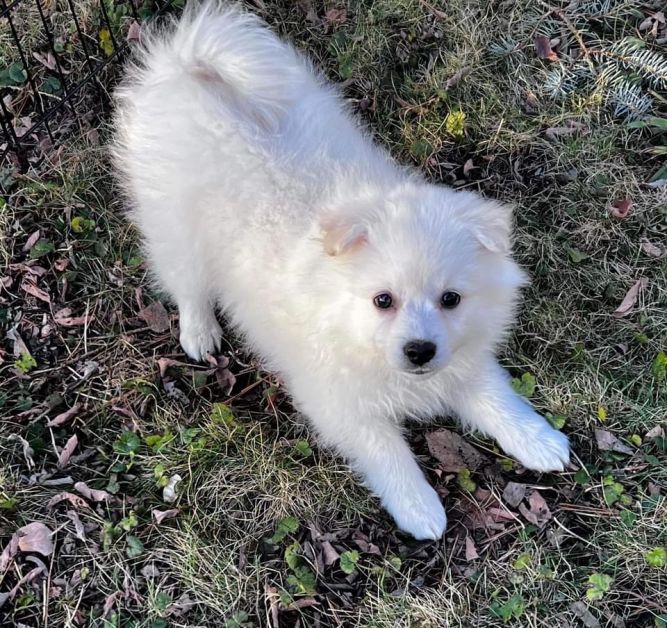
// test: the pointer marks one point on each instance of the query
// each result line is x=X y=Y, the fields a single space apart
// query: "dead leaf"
x=78 y=525
x=652 y=250
x=303 y=602
x=28 y=451
x=471 y=550
x=587 y=618
x=67 y=451
x=162 y=515
x=164 y=363
x=29 y=577
x=223 y=375
x=538 y=512
x=453 y=453
x=30 y=287
x=468 y=166
x=553 y=133
x=606 y=441
x=35 y=537
x=514 y=493
x=91 y=493
x=31 y=241
x=61 y=264
x=9 y=553
x=330 y=554
x=620 y=209
x=457 y=77
x=156 y=317
x=65 y=319
x=65 y=417
x=543 y=48
x=111 y=601
x=181 y=606
x=655 y=432
x=335 y=16
x=47 y=60
x=75 y=500
x=19 y=346
x=630 y=298
x=169 y=491
x=134 y=32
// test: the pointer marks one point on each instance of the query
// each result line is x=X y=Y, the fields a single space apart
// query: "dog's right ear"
x=342 y=234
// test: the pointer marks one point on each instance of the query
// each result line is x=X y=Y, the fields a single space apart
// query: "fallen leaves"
x=35 y=537
x=30 y=287
x=91 y=493
x=67 y=451
x=163 y=515
x=543 y=48
x=652 y=250
x=65 y=417
x=606 y=441
x=537 y=512
x=155 y=316
x=75 y=500
x=630 y=298
x=514 y=493
x=64 y=318
x=457 y=77
x=572 y=127
x=453 y=453
x=620 y=209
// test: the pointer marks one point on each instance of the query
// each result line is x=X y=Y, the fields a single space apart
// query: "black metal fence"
x=57 y=59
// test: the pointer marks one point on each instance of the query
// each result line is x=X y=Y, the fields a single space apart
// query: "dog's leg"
x=377 y=451
x=200 y=330
x=487 y=402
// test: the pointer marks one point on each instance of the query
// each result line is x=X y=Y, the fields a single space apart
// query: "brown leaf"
x=514 y=493
x=156 y=317
x=9 y=553
x=453 y=453
x=329 y=552
x=64 y=319
x=587 y=618
x=61 y=264
x=553 y=133
x=163 y=515
x=65 y=417
x=134 y=32
x=31 y=288
x=471 y=550
x=655 y=432
x=35 y=537
x=652 y=250
x=30 y=242
x=630 y=298
x=91 y=493
x=468 y=166
x=543 y=48
x=538 y=512
x=606 y=441
x=28 y=451
x=303 y=602
x=335 y=16
x=47 y=60
x=67 y=451
x=78 y=524
x=75 y=500
x=457 y=77
x=20 y=347
x=164 y=363
x=620 y=209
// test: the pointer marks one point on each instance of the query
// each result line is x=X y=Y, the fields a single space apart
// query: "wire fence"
x=57 y=60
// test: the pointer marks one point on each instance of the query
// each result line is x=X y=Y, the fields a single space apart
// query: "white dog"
x=377 y=296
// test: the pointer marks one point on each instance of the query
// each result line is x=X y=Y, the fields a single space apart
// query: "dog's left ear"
x=342 y=234
x=493 y=225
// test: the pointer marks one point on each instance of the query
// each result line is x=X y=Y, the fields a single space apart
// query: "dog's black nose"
x=419 y=352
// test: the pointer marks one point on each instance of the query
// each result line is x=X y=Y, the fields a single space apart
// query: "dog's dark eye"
x=450 y=300
x=383 y=301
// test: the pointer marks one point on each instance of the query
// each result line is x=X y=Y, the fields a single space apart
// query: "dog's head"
x=422 y=273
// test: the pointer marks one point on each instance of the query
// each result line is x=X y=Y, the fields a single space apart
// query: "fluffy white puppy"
x=376 y=295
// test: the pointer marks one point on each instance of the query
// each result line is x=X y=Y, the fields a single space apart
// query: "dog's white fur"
x=257 y=193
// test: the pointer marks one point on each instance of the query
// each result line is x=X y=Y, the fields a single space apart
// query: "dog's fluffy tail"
x=230 y=54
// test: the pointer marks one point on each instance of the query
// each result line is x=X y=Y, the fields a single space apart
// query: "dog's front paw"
x=200 y=335
x=542 y=448
x=419 y=512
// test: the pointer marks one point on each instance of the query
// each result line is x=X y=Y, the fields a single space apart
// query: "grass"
x=264 y=516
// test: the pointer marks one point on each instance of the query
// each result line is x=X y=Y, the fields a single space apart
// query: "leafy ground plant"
x=140 y=489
